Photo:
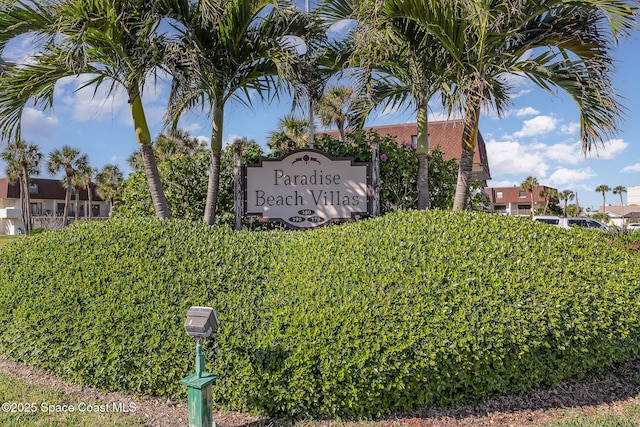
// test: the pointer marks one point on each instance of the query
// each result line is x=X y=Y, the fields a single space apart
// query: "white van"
x=567 y=223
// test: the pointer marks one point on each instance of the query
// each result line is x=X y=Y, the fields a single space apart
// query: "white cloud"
x=514 y=158
x=341 y=27
x=537 y=126
x=570 y=129
x=632 y=168
x=527 y=111
x=230 y=139
x=35 y=122
x=520 y=93
x=563 y=177
x=610 y=150
x=565 y=153
x=205 y=139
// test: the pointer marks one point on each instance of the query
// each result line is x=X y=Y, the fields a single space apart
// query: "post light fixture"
x=201 y=323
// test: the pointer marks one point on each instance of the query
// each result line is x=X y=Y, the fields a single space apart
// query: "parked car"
x=634 y=227
x=567 y=223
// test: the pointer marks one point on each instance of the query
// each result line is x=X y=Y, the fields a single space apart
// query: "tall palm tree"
x=620 y=190
x=115 y=43
x=333 y=107
x=554 y=43
x=109 y=182
x=566 y=195
x=23 y=160
x=403 y=66
x=69 y=160
x=529 y=184
x=225 y=58
x=83 y=178
x=603 y=189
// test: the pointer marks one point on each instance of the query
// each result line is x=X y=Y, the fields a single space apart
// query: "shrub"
x=358 y=320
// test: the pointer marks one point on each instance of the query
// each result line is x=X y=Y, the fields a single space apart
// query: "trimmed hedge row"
x=363 y=319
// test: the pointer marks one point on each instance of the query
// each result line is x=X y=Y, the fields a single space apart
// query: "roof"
x=48 y=189
x=446 y=135
x=629 y=211
x=512 y=194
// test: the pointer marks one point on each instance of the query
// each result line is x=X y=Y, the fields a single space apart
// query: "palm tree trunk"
x=77 y=209
x=67 y=202
x=422 y=151
x=27 y=199
x=23 y=193
x=214 y=167
x=148 y=158
x=311 y=124
x=469 y=138
x=89 y=214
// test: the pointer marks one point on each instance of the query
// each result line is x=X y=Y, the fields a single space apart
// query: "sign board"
x=306 y=189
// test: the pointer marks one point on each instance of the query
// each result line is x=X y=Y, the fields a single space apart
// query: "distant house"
x=446 y=135
x=516 y=201
x=47 y=205
x=621 y=215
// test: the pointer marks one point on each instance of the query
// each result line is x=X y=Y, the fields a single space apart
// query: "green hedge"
x=363 y=319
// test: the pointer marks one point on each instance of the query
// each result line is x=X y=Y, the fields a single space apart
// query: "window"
x=33 y=188
x=522 y=194
x=414 y=140
x=499 y=194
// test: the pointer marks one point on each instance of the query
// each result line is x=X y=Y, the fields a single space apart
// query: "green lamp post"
x=201 y=322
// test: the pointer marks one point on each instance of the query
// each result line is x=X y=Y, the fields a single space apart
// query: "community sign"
x=306 y=189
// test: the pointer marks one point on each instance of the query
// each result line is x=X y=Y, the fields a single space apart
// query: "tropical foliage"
x=114 y=44
x=23 y=160
x=68 y=160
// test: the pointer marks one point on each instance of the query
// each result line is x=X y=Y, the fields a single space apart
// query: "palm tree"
x=547 y=194
x=620 y=190
x=403 y=66
x=169 y=144
x=225 y=57
x=554 y=43
x=529 y=184
x=69 y=160
x=115 y=43
x=83 y=178
x=333 y=108
x=109 y=181
x=603 y=189
x=566 y=195
x=23 y=160
x=292 y=132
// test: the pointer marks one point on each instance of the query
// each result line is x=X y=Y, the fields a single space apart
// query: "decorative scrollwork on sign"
x=306 y=158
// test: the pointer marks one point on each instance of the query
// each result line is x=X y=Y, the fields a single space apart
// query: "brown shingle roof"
x=48 y=189
x=446 y=135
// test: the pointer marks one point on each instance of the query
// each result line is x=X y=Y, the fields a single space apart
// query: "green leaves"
x=359 y=320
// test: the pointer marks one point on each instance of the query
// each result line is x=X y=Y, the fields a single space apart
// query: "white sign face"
x=306 y=189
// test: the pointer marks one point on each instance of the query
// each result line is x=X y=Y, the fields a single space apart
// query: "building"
x=621 y=215
x=516 y=201
x=47 y=205
x=633 y=195
x=446 y=135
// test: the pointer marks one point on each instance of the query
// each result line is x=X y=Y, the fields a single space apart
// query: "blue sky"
x=538 y=136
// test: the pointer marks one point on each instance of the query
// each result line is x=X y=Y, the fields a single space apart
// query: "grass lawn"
x=51 y=407
x=6 y=239
x=39 y=398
